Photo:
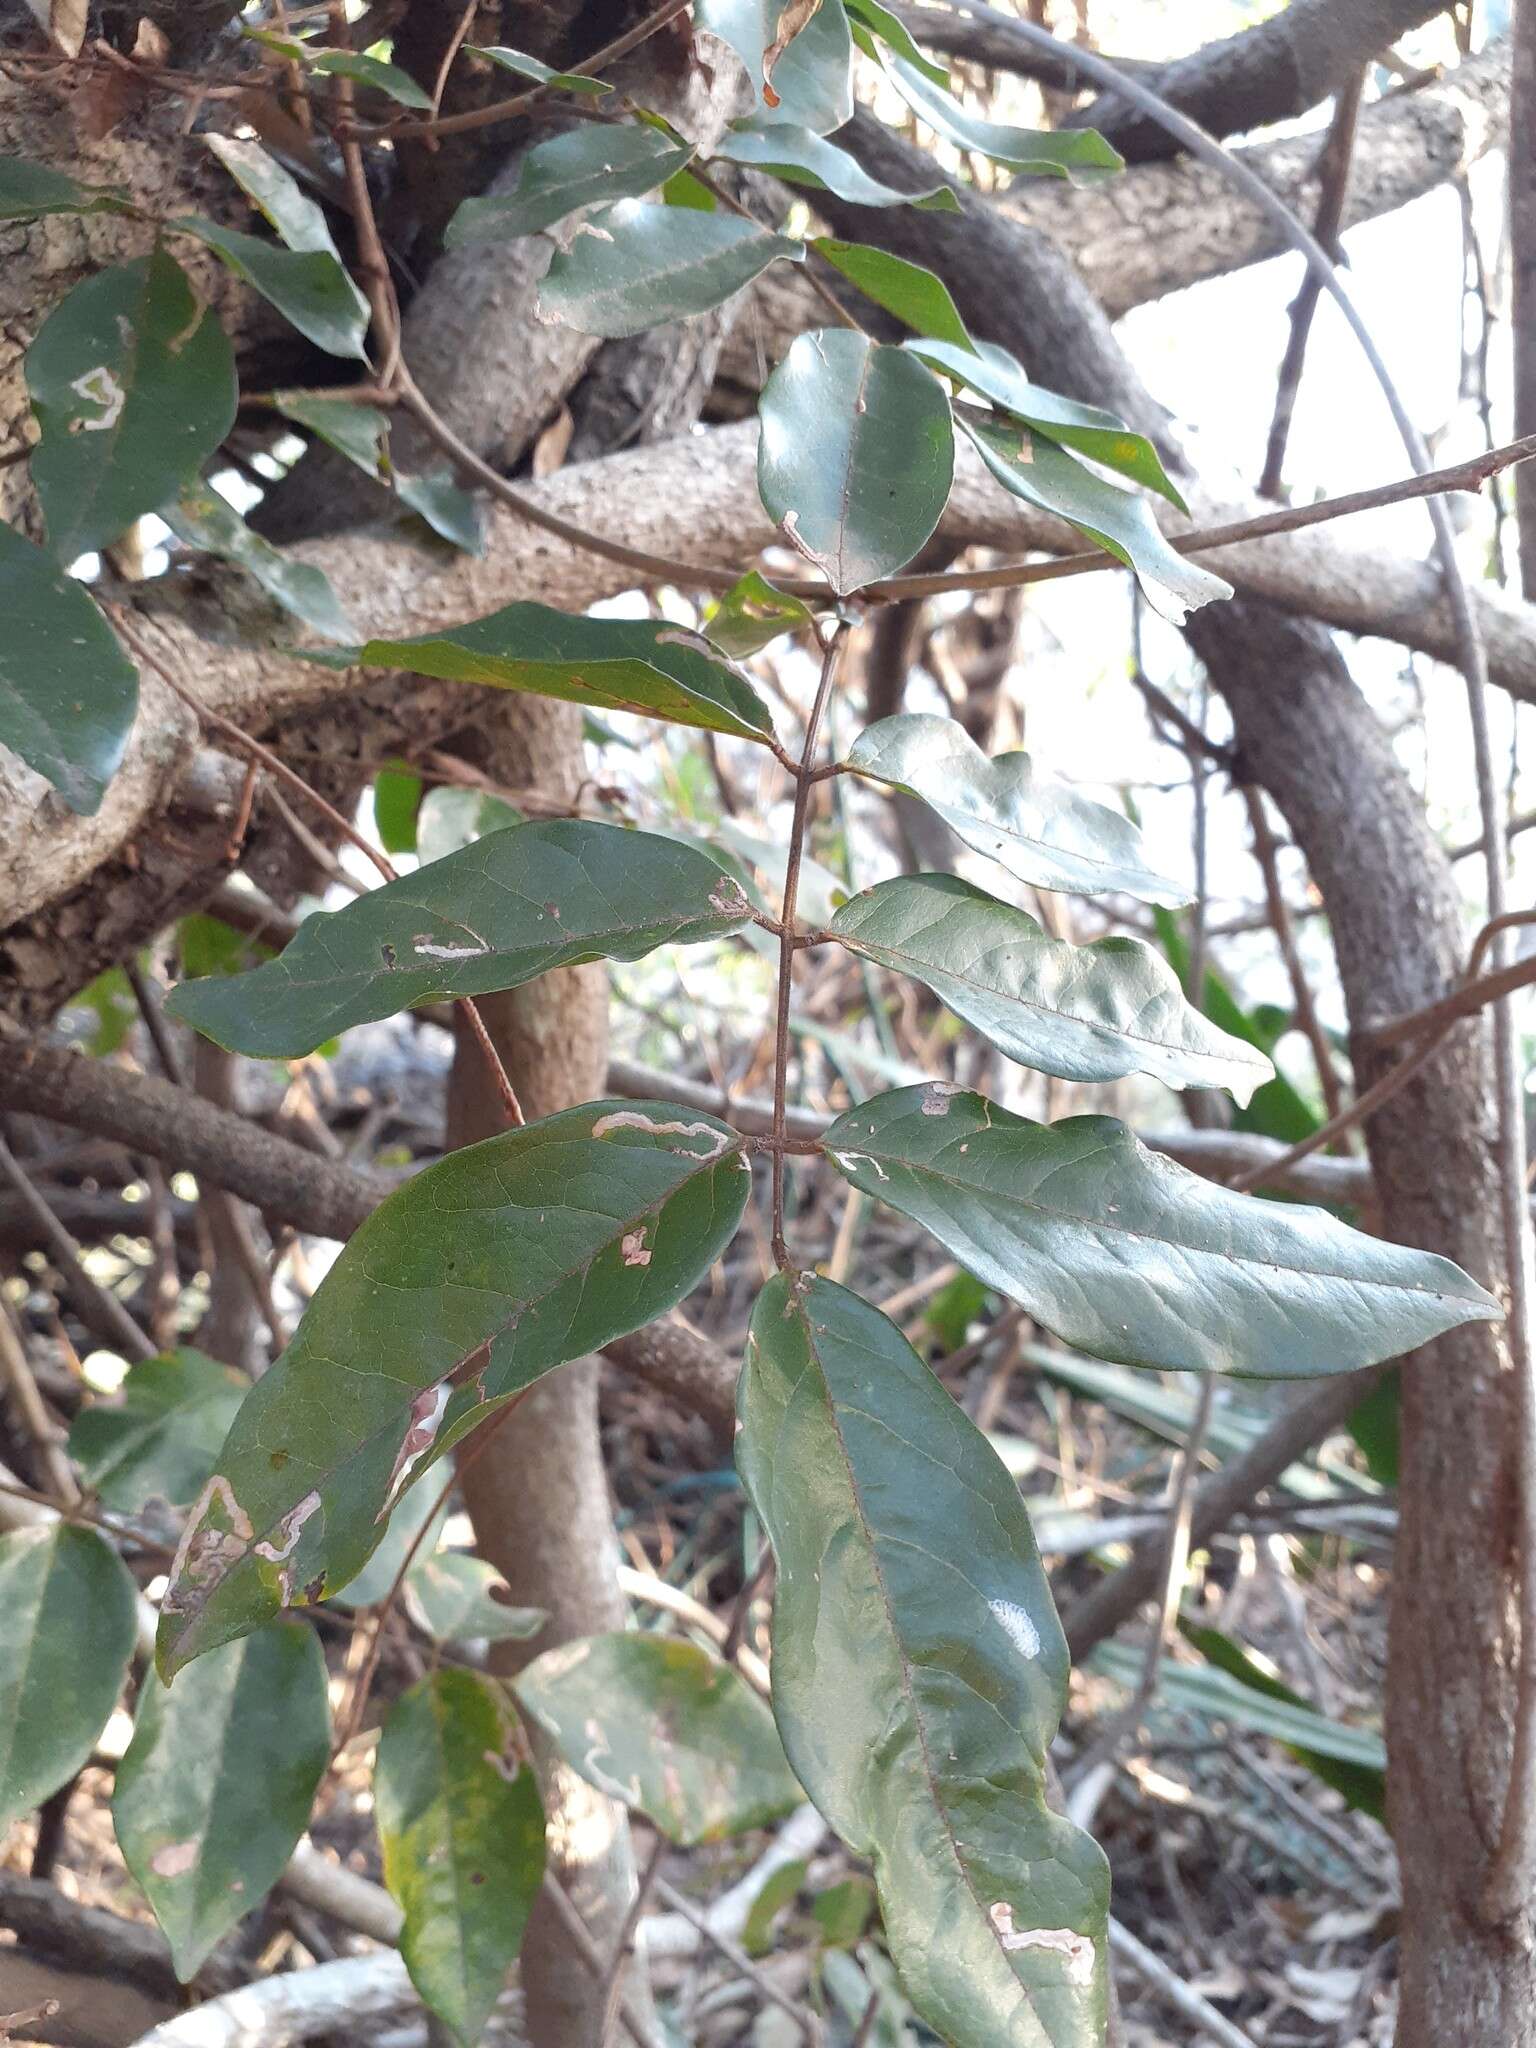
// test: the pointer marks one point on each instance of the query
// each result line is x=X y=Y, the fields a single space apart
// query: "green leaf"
x=133 y=384
x=641 y=665
x=396 y=800
x=1035 y=469
x=276 y=194
x=1087 y=1013
x=218 y=1782
x=361 y=433
x=779 y=1889
x=639 y=265
x=530 y=67
x=207 y=945
x=461 y=1825
x=842 y=1912
x=28 y=190
x=402 y=1537
x=1128 y=1256
x=813 y=76
x=70 y=1622
x=589 y=167
x=461 y=1599
x=803 y=158
x=1043 y=832
x=1375 y=1424
x=753 y=614
x=856 y=456
x=919 y=1671
x=684 y=189
x=878 y=21
x=662 y=1726
x=204 y=519
x=306 y=281
x=1277 y=1110
x=1352 y=1760
x=951 y=1312
x=371 y=71
x=1079 y=154
x=985 y=367
x=110 y=997
x=906 y=289
x=68 y=692
x=496 y=914
x=309 y=287
x=158 y=1438
x=465 y=1285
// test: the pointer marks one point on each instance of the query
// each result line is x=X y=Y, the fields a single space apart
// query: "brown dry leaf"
x=549 y=449
x=793 y=18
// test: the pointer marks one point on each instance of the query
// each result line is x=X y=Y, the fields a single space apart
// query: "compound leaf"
x=1132 y=1258
x=856 y=456
x=1087 y=1013
x=919 y=1671
x=68 y=692
x=641 y=665
x=70 y=1620
x=461 y=1825
x=218 y=1782
x=1044 y=832
x=499 y=912
x=133 y=384
x=465 y=1285
x=662 y=1726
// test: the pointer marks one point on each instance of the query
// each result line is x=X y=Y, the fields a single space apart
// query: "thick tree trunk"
x=1308 y=735
x=538 y=1495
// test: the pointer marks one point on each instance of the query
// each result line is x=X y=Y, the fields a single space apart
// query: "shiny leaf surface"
x=309 y=287
x=218 y=1782
x=912 y=293
x=589 y=167
x=1132 y=1258
x=462 y=1599
x=856 y=456
x=985 y=367
x=70 y=1620
x=133 y=385
x=157 y=1439
x=803 y=158
x=919 y=1670
x=1080 y=154
x=29 y=190
x=204 y=519
x=461 y=1825
x=68 y=692
x=639 y=665
x=1035 y=469
x=361 y=433
x=466 y=1284
x=638 y=265
x=524 y=66
x=500 y=912
x=752 y=615
x=662 y=1726
x=1044 y=832
x=1087 y=1013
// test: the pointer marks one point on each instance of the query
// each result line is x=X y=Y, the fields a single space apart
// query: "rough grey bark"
x=1310 y=738
x=1271 y=72
x=1522 y=250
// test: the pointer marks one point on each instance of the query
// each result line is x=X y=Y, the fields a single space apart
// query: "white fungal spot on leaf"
x=636 y=1120
x=728 y=897
x=216 y=1537
x=174 y=1860
x=1015 y=1622
x=632 y=1245
x=428 y=949
x=936 y=1097
x=290 y=1528
x=1075 y=1949
x=849 y=1160
x=102 y=387
x=421 y=1429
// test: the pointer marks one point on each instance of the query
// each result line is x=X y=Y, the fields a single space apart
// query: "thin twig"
x=103 y=1311
x=1265 y=853
x=589 y=1953
x=340 y=824
x=831 y=656
x=32 y=1411
x=613 y=1976
x=456 y=43
x=1335 y=160
x=372 y=262
x=735 y=1954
